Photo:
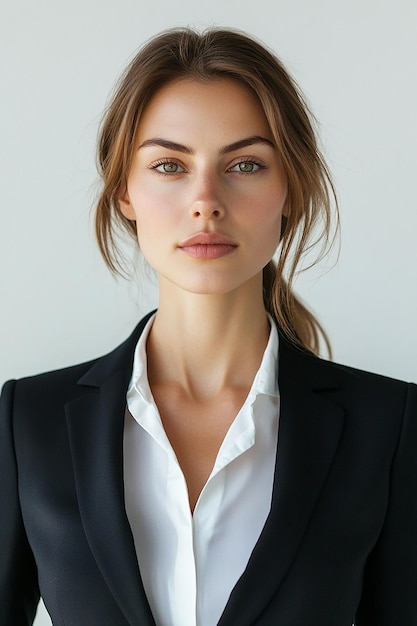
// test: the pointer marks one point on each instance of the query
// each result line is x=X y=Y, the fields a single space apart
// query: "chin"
x=215 y=285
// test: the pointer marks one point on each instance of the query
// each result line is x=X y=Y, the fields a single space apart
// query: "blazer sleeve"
x=19 y=592
x=390 y=581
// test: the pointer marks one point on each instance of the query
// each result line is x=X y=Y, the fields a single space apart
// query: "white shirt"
x=190 y=563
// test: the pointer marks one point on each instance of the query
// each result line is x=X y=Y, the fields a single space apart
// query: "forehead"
x=203 y=109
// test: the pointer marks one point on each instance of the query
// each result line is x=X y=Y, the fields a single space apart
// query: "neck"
x=213 y=341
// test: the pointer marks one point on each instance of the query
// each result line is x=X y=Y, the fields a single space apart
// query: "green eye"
x=170 y=168
x=246 y=167
x=167 y=167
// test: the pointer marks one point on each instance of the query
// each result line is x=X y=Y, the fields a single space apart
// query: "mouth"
x=208 y=246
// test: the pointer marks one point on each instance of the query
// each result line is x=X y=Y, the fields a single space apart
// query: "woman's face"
x=206 y=168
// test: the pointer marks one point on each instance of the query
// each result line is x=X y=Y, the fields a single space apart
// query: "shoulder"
x=373 y=392
x=349 y=385
x=65 y=375
x=43 y=396
x=354 y=376
x=377 y=412
x=62 y=384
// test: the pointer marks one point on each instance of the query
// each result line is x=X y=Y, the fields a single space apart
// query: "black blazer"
x=340 y=542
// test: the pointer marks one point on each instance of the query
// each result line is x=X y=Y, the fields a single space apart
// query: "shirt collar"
x=139 y=381
x=266 y=379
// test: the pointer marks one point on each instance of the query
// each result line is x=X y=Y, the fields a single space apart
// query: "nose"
x=206 y=202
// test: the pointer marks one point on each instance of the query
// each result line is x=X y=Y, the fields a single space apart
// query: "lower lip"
x=208 y=251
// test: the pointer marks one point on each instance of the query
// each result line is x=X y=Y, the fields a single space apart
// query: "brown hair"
x=214 y=54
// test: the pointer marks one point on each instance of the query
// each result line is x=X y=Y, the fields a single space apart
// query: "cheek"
x=156 y=221
x=151 y=205
x=270 y=211
x=268 y=222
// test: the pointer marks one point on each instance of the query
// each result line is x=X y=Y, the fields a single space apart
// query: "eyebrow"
x=178 y=147
x=243 y=143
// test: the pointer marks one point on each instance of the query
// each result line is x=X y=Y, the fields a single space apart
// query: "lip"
x=208 y=239
x=208 y=245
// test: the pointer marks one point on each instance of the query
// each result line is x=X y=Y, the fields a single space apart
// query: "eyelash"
x=251 y=160
x=255 y=161
x=156 y=164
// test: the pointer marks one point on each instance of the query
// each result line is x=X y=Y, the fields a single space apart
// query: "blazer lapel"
x=309 y=432
x=95 y=423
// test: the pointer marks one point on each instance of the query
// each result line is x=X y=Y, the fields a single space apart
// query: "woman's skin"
x=223 y=177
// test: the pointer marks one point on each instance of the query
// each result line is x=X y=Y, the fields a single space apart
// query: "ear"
x=126 y=208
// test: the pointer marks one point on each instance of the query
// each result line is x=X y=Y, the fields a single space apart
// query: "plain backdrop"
x=356 y=63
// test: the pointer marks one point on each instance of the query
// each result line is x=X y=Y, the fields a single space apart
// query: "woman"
x=148 y=486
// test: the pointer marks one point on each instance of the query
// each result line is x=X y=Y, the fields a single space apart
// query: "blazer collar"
x=309 y=433
x=120 y=359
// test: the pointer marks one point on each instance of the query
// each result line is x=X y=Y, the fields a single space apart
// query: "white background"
x=356 y=62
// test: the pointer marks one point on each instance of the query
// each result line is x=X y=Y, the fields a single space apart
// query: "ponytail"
x=295 y=321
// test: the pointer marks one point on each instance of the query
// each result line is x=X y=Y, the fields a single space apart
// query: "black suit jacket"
x=340 y=542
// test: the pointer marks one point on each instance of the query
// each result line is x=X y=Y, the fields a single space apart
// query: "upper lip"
x=207 y=239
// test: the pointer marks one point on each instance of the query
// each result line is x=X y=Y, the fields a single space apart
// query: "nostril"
x=207 y=209
x=207 y=214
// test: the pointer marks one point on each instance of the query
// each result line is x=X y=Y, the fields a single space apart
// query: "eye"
x=166 y=167
x=247 y=167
